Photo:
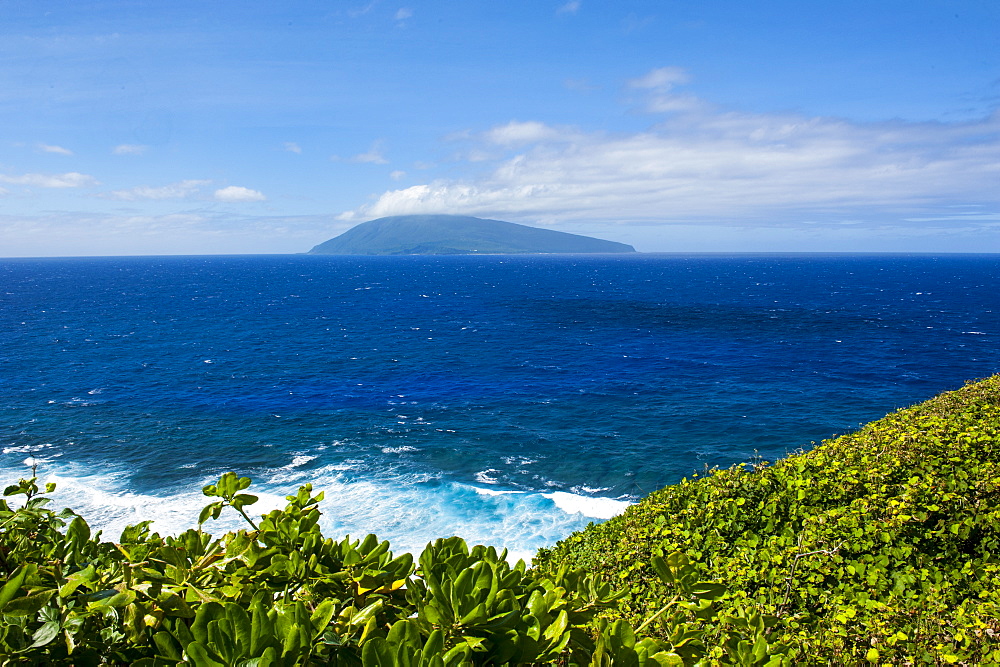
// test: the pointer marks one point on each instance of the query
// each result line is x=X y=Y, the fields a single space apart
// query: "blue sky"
x=257 y=127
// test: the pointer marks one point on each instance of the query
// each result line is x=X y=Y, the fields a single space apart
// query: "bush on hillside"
x=881 y=546
x=280 y=594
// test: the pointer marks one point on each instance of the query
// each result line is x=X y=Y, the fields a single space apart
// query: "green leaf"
x=167 y=645
x=212 y=510
x=201 y=656
x=435 y=643
x=677 y=560
x=324 y=612
x=15 y=582
x=241 y=626
x=78 y=530
x=261 y=626
x=665 y=659
x=662 y=571
x=77 y=579
x=621 y=635
x=243 y=499
x=119 y=599
x=404 y=632
x=377 y=652
x=28 y=605
x=207 y=612
x=555 y=631
x=457 y=654
x=706 y=590
x=45 y=633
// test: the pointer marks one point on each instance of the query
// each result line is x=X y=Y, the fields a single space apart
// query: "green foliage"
x=281 y=594
x=882 y=546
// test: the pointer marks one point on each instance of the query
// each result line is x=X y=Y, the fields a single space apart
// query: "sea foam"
x=597 y=508
x=408 y=509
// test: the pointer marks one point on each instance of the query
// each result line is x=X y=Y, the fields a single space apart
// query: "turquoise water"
x=507 y=399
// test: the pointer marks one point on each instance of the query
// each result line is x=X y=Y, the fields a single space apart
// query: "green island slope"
x=458 y=235
x=878 y=547
x=882 y=545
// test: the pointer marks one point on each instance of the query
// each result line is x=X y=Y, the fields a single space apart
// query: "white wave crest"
x=408 y=509
x=299 y=460
x=487 y=476
x=398 y=450
x=597 y=508
x=26 y=449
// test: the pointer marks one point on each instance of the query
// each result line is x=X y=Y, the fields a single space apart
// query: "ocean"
x=506 y=399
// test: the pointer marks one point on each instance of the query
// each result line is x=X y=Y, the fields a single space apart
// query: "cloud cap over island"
x=719 y=165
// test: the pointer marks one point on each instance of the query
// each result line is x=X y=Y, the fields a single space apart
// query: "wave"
x=407 y=508
x=598 y=508
x=25 y=449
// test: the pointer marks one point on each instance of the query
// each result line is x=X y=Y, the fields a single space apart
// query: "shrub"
x=280 y=593
x=878 y=546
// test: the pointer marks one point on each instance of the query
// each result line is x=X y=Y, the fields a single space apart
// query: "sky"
x=132 y=128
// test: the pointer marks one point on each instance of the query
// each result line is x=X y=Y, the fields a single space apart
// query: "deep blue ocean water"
x=508 y=399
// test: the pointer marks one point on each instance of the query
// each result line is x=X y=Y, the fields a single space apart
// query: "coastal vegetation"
x=880 y=546
x=877 y=547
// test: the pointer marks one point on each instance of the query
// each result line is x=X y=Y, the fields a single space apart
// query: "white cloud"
x=236 y=193
x=674 y=103
x=658 y=85
x=633 y=22
x=46 y=148
x=292 y=147
x=361 y=11
x=397 y=175
x=660 y=79
x=373 y=155
x=571 y=7
x=179 y=190
x=182 y=232
x=68 y=180
x=403 y=13
x=129 y=149
x=701 y=164
x=517 y=133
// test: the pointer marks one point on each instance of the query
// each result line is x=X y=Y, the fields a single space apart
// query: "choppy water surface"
x=507 y=399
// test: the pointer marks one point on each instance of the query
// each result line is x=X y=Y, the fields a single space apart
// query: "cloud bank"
x=58 y=150
x=179 y=190
x=236 y=193
x=129 y=149
x=196 y=231
x=700 y=163
x=187 y=189
x=68 y=180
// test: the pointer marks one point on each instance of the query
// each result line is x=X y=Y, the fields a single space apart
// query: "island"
x=458 y=235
